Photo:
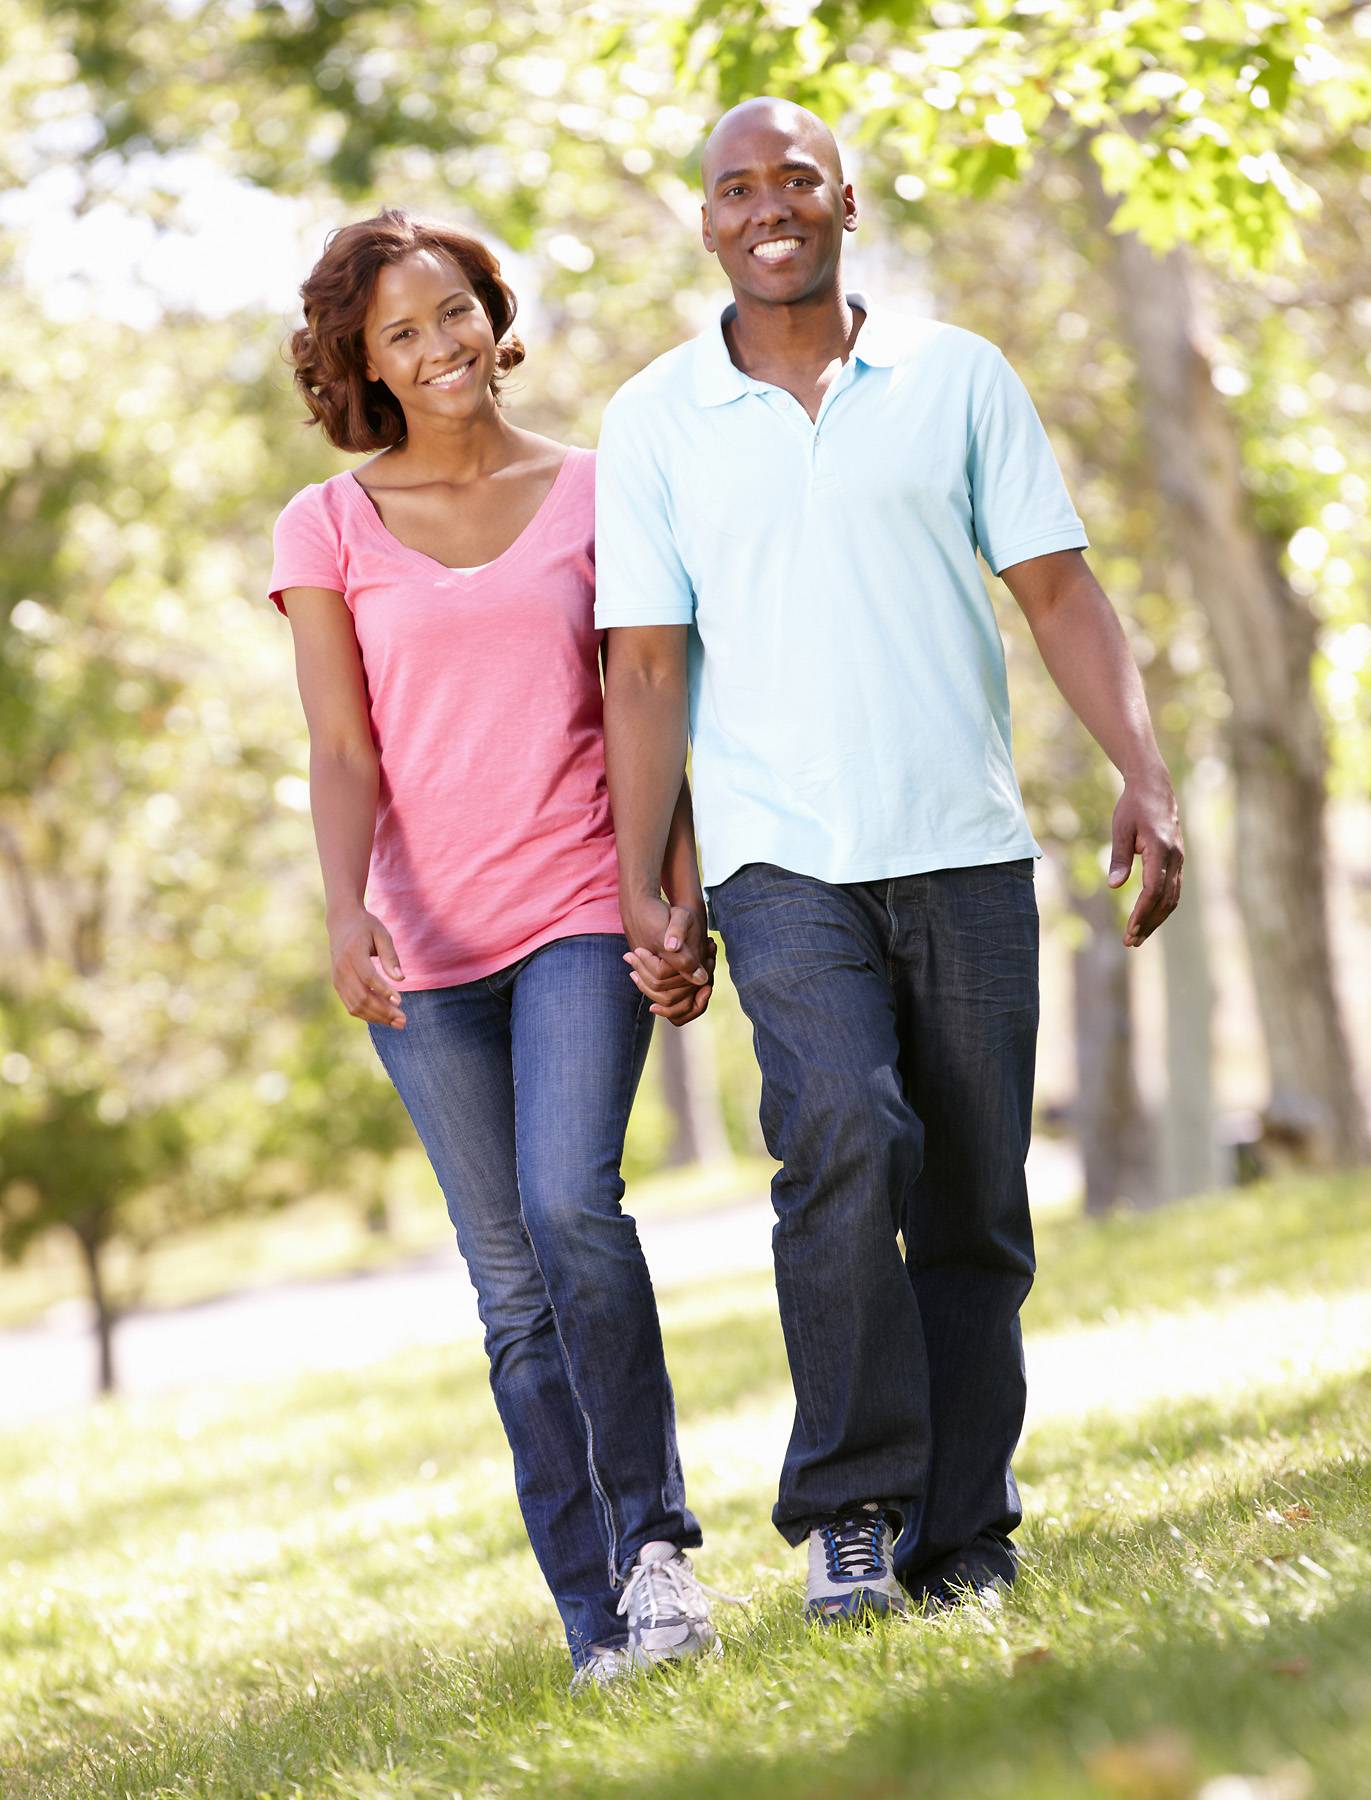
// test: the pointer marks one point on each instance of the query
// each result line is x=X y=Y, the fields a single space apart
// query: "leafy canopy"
x=1197 y=114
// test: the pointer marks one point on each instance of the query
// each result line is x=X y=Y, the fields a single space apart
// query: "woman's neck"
x=469 y=449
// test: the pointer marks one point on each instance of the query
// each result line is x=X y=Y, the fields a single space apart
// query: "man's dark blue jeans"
x=520 y=1087
x=895 y=1022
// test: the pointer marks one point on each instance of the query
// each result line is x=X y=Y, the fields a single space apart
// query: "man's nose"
x=771 y=207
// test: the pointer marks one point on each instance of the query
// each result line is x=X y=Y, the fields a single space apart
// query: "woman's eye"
x=457 y=312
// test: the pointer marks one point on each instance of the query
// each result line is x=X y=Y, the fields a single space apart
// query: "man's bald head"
x=769 y=114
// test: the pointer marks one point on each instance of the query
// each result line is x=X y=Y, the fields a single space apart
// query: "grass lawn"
x=323 y=1588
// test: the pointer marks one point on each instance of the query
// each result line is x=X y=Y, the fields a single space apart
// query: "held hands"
x=1146 y=824
x=363 y=957
x=673 y=959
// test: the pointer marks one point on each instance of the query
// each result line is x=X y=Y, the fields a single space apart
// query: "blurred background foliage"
x=1157 y=209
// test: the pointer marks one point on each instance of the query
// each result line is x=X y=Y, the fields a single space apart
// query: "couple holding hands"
x=503 y=647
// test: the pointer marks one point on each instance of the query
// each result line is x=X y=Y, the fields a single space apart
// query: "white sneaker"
x=667 y=1608
x=604 y=1665
x=852 y=1568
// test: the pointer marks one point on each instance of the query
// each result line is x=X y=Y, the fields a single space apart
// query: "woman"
x=440 y=598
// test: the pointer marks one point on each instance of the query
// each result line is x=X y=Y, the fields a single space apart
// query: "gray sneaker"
x=605 y=1664
x=852 y=1569
x=667 y=1608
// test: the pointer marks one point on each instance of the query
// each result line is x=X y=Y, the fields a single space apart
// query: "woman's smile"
x=451 y=377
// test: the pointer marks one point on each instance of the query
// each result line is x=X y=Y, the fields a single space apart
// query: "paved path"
x=341 y=1322
x=347 y=1321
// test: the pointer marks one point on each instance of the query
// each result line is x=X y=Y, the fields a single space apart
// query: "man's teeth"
x=773 y=251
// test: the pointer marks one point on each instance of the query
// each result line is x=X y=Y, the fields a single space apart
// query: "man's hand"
x=1146 y=824
x=671 y=958
x=363 y=958
x=673 y=998
x=676 y=935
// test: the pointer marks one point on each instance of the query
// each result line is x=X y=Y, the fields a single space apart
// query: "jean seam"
x=642 y=1016
x=597 y=1485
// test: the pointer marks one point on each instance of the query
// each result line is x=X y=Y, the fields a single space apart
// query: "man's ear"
x=849 y=209
x=706 y=234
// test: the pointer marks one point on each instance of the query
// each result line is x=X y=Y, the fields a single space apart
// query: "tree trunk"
x=690 y=1087
x=1190 y=1154
x=92 y=1246
x=1263 y=639
x=1111 y=1124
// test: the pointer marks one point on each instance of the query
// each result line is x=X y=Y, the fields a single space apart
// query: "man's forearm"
x=681 y=864
x=1083 y=646
x=645 y=747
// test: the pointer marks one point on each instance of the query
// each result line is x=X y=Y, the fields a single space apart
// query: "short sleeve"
x=1020 y=506
x=639 y=576
x=305 y=546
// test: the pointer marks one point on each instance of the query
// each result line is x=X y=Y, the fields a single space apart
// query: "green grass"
x=323 y=1589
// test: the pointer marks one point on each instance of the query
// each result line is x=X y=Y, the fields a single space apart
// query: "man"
x=789 y=515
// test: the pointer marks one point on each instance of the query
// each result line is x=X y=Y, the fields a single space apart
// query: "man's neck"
x=796 y=340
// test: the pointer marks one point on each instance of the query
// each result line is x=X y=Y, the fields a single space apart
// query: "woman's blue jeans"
x=520 y=1086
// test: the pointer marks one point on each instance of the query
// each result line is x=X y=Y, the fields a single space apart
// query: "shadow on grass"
x=1110 y=1635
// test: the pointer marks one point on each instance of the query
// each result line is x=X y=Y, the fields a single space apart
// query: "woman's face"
x=428 y=337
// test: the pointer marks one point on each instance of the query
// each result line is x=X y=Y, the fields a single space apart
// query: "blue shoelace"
x=852 y=1546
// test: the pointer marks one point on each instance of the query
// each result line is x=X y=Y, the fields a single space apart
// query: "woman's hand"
x=674 y=998
x=364 y=965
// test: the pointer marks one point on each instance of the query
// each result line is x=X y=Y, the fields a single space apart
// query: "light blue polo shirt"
x=849 y=711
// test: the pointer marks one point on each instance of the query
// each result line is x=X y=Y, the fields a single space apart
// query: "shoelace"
x=670 y=1589
x=852 y=1547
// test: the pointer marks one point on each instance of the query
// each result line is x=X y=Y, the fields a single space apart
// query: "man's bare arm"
x=1083 y=645
x=645 y=751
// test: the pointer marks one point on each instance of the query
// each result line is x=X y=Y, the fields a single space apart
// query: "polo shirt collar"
x=717 y=379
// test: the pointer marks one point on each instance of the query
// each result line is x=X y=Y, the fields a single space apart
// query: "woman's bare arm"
x=344 y=780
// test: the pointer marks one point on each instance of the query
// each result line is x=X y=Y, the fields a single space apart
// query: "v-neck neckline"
x=372 y=511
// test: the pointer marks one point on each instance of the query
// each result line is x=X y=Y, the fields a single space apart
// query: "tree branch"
x=35 y=936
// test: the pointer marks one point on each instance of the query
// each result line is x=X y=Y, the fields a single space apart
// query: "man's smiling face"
x=776 y=205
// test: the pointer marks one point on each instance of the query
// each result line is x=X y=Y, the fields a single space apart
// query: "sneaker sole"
x=710 y=1649
x=861 y=1603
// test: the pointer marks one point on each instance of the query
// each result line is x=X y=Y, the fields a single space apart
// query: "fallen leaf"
x=1027 y=1659
x=1296 y=1515
x=1296 y=1667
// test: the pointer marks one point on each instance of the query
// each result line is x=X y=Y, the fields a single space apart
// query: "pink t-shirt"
x=493 y=832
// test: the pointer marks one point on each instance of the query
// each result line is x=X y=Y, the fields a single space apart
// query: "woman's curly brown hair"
x=329 y=356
